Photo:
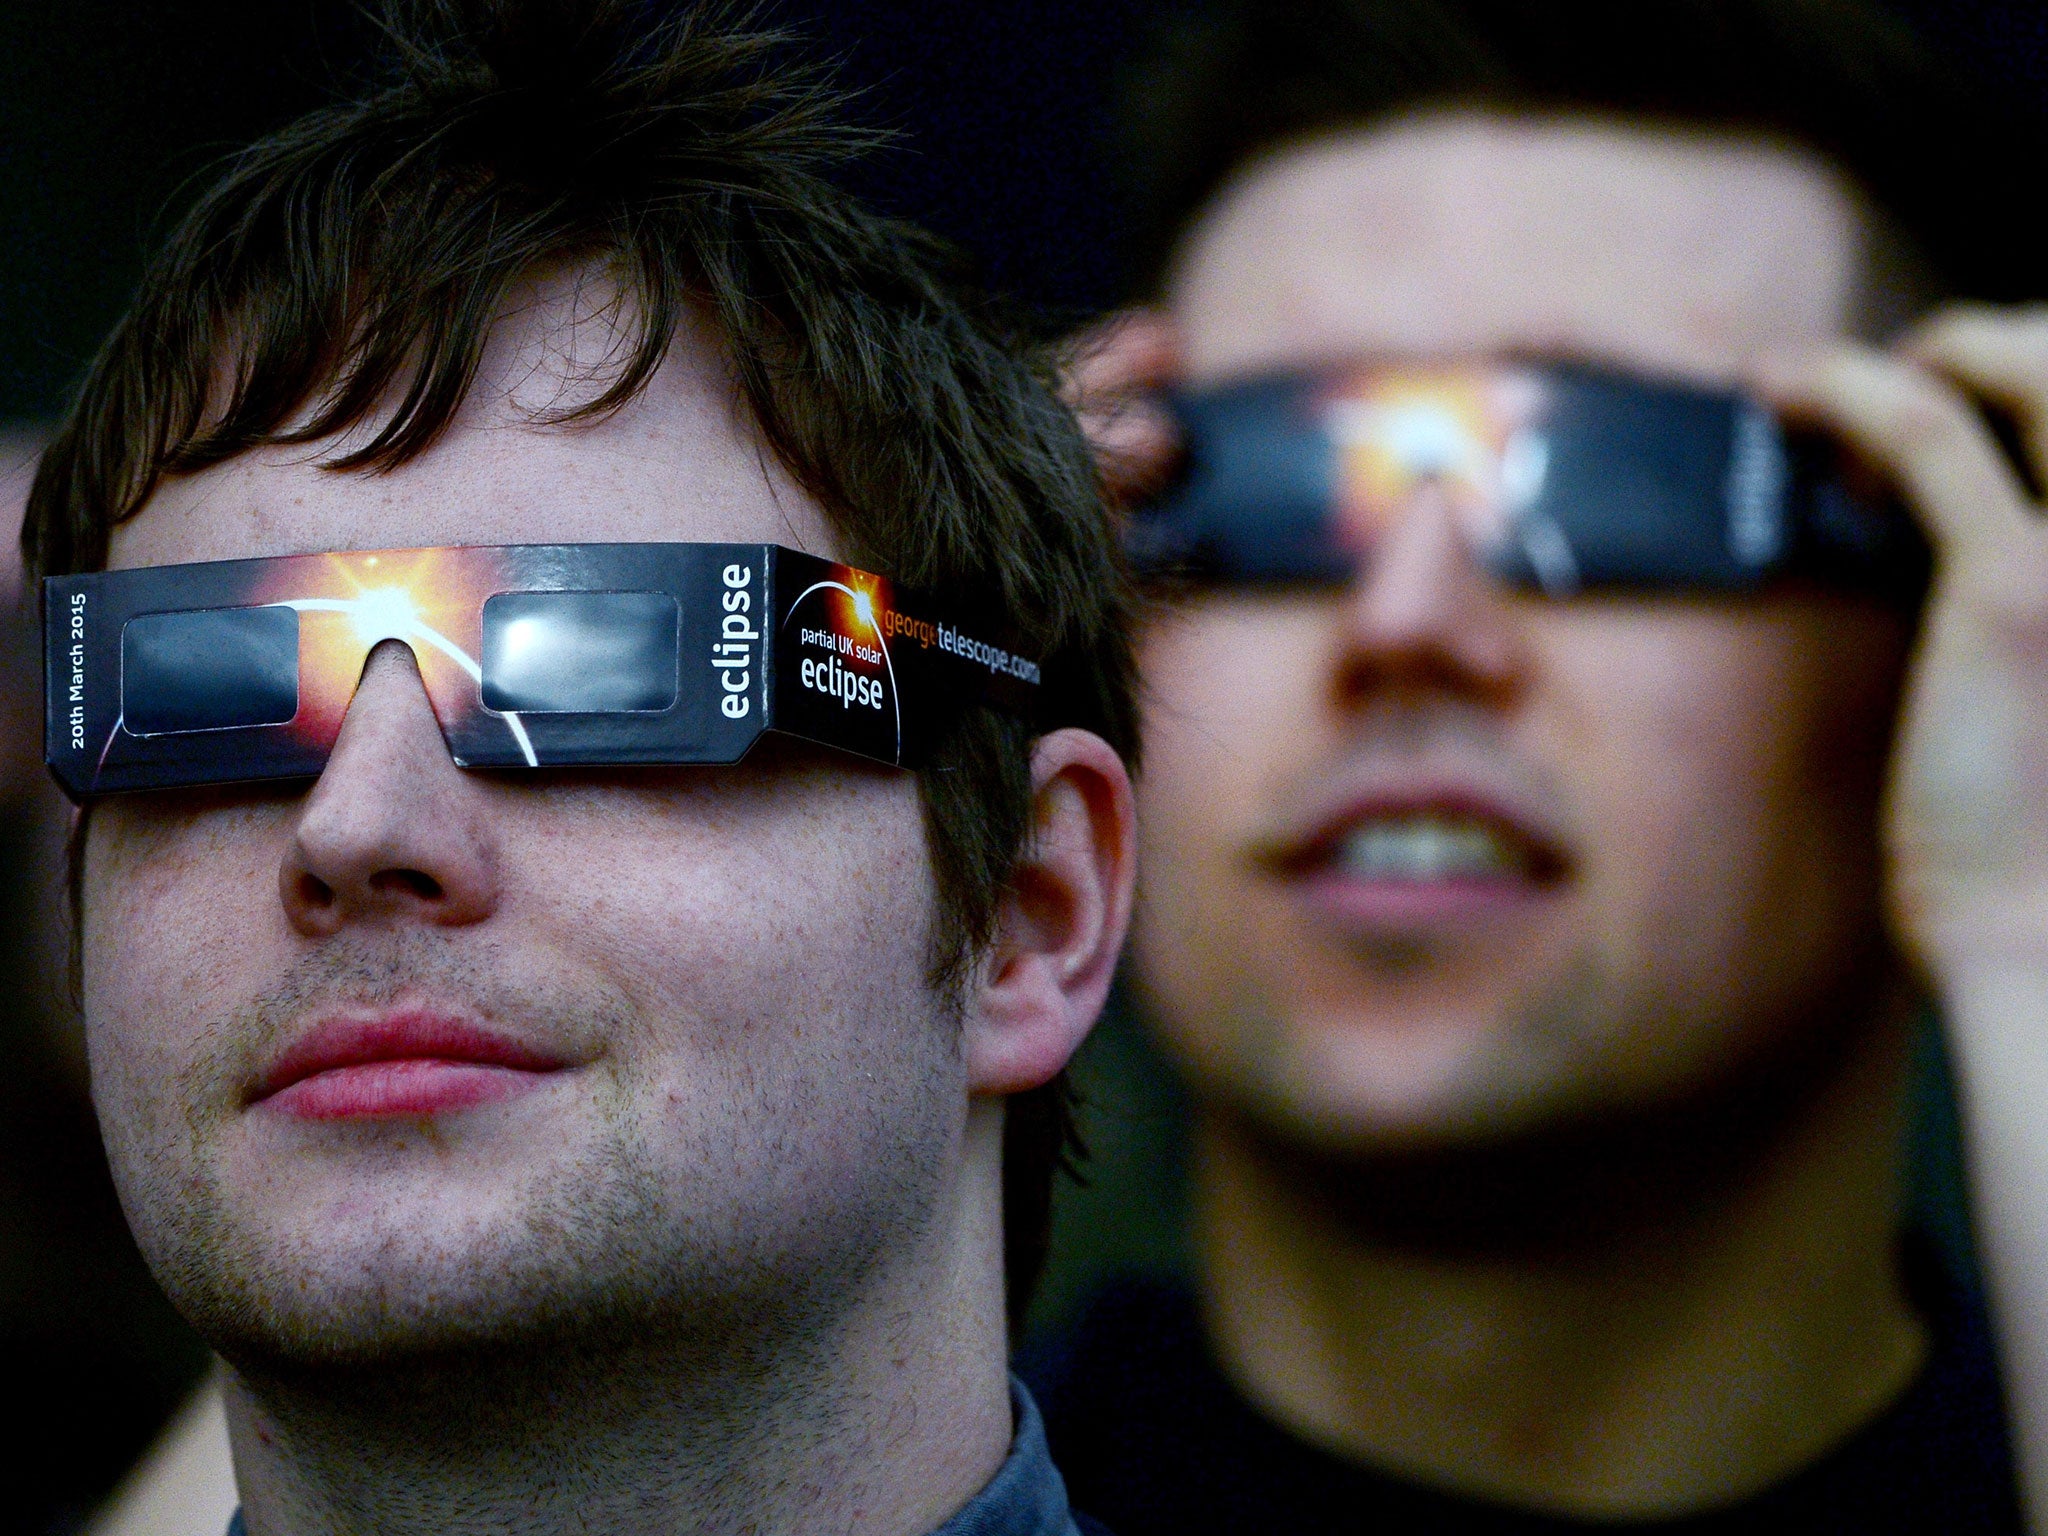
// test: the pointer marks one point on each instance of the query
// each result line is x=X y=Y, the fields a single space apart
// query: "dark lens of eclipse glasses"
x=209 y=670
x=580 y=652
x=543 y=653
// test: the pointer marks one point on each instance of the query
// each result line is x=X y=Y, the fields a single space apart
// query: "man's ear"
x=1062 y=920
x=1115 y=372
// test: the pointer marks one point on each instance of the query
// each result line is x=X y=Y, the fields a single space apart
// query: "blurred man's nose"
x=392 y=831
x=1423 y=616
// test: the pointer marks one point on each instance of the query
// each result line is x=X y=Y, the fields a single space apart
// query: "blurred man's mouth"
x=1430 y=847
x=400 y=1063
x=1422 y=858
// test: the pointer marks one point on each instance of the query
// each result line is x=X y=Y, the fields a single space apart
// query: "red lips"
x=407 y=1063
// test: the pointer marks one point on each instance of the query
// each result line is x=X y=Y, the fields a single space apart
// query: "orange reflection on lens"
x=1406 y=434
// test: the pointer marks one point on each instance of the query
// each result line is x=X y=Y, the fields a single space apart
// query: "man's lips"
x=1417 y=857
x=406 y=1063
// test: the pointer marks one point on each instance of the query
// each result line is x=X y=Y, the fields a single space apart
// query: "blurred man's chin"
x=1425 y=1096
x=1422 y=1069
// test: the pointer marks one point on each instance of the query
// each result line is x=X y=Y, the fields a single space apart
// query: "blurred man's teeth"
x=1426 y=848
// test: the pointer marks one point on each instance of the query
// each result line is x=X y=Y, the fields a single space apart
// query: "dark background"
x=111 y=111
x=109 y=108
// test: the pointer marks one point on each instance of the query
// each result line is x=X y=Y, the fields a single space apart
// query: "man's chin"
x=1409 y=1080
x=280 y=1303
x=357 y=1259
x=1461 y=1134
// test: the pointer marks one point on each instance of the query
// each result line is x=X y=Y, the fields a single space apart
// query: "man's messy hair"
x=345 y=274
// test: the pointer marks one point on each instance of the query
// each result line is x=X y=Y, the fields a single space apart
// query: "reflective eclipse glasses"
x=533 y=656
x=1561 y=478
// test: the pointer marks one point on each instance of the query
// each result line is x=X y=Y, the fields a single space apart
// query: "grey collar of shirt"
x=1026 y=1497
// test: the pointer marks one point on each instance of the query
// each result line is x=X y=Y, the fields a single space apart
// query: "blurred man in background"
x=1527 y=958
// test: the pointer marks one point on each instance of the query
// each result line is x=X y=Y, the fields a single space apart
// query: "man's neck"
x=1631 y=1357
x=852 y=1431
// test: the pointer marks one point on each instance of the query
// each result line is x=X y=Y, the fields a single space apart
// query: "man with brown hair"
x=1515 y=907
x=558 y=1115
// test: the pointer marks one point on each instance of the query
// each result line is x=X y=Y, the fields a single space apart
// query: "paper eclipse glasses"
x=533 y=656
x=1561 y=479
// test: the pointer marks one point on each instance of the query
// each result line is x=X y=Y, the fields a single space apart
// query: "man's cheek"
x=150 y=979
x=137 y=1036
x=145 y=1124
x=156 y=975
x=196 y=943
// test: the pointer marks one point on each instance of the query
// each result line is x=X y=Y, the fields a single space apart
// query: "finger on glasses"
x=1924 y=434
x=1999 y=356
x=1114 y=374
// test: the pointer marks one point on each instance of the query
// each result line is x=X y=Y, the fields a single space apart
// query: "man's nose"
x=1423 y=616
x=392 y=830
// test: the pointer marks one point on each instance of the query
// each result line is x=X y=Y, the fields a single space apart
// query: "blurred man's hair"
x=346 y=273
x=1949 y=166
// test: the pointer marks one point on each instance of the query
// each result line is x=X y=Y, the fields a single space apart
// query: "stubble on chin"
x=679 y=1225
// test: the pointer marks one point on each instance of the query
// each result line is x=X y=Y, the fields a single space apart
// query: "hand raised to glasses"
x=1112 y=382
x=1968 y=818
x=1967 y=834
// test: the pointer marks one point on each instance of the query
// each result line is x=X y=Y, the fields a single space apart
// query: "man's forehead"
x=680 y=461
x=1463 y=233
